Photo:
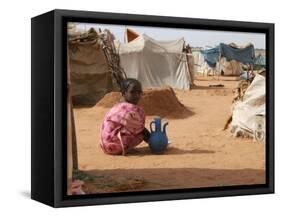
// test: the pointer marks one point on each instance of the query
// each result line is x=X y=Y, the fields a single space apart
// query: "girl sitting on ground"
x=123 y=127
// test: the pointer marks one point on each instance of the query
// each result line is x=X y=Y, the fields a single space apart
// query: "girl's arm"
x=146 y=135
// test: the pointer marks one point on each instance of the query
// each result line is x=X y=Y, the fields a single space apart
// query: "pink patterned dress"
x=122 y=128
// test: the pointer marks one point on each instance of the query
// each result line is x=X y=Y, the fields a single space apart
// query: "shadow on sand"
x=198 y=87
x=125 y=180
x=143 y=151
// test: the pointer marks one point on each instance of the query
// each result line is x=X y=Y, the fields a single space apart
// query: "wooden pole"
x=248 y=69
x=74 y=141
x=72 y=121
x=72 y=156
x=189 y=70
x=69 y=133
x=219 y=67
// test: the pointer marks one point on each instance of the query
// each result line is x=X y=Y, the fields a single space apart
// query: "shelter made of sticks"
x=94 y=66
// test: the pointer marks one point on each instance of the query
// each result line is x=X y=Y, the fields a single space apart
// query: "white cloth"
x=155 y=63
x=249 y=114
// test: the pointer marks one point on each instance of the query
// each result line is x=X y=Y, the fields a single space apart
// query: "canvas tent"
x=198 y=62
x=248 y=115
x=155 y=63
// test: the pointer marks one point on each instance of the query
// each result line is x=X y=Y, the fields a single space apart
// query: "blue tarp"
x=211 y=56
x=243 y=55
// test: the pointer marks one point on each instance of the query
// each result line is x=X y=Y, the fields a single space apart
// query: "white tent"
x=199 y=63
x=249 y=114
x=155 y=63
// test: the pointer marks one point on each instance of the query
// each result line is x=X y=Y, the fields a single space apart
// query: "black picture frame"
x=48 y=107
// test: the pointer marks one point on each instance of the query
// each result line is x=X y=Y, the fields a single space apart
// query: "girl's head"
x=131 y=90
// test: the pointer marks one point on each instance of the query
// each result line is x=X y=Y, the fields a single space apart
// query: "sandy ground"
x=200 y=153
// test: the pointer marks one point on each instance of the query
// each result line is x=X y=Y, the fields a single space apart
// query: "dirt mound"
x=161 y=102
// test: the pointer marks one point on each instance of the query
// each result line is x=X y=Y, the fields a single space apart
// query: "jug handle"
x=152 y=122
x=164 y=127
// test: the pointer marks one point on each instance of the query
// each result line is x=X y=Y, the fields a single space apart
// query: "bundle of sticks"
x=112 y=57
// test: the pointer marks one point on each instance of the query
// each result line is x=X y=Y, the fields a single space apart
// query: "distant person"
x=123 y=127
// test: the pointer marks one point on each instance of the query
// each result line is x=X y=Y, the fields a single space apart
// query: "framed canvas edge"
x=60 y=95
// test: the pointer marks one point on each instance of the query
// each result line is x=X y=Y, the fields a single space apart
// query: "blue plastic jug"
x=158 y=140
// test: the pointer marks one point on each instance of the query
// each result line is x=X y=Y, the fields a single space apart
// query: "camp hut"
x=89 y=73
x=228 y=59
x=155 y=63
x=232 y=67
